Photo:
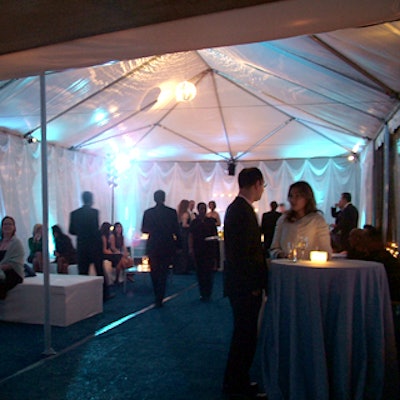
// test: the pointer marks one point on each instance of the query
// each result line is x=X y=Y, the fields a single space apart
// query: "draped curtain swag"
x=71 y=173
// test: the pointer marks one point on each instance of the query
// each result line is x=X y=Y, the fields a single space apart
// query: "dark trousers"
x=246 y=308
x=12 y=280
x=87 y=255
x=92 y=254
x=205 y=276
x=159 y=267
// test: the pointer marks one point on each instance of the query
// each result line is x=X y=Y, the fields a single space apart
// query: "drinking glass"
x=302 y=244
x=292 y=251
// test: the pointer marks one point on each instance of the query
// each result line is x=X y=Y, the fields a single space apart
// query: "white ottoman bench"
x=72 y=298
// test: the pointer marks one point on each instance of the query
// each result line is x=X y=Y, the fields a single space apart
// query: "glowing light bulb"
x=185 y=91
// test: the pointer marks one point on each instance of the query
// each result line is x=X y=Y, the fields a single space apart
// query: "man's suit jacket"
x=161 y=223
x=84 y=223
x=346 y=220
x=336 y=214
x=268 y=224
x=245 y=265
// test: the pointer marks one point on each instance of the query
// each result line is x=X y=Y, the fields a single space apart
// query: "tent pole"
x=386 y=180
x=112 y=203
x=45 y=235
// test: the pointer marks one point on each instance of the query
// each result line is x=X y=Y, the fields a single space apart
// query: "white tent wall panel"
x=71 y=173
x=209 y=181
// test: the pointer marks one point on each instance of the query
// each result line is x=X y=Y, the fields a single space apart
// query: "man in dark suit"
x=161 y=223
x=268 y=224
x=84 y=223
x=245 y=280
x=346 y=220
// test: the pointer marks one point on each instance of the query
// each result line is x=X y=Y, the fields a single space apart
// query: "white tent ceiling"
x=302 y=97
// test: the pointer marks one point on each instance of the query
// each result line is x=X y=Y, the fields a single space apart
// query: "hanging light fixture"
x=185 y=91
x=29 y=138
x=352 y=157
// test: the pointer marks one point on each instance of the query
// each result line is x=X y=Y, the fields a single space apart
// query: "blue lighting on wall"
x=100 y=117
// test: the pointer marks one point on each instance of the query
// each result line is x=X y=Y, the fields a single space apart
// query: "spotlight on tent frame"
x=352 y=157
x=29 y=138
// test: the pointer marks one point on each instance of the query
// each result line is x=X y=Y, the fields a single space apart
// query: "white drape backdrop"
x=70 y=173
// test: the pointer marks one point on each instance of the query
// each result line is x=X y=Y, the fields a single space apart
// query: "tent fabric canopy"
x=310 y=96
x=44 y=37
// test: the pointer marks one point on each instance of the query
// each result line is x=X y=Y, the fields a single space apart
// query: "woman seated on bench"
x=35 y=248
x=117 y=245
x=11 y=257
x=108 y=253
x=64 y=250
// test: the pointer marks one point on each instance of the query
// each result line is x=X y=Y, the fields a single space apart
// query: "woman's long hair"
x=182 y=208
x=306 y=191
x=105 y=229
x=119 y=239
x=56 y=229
x=37 y=227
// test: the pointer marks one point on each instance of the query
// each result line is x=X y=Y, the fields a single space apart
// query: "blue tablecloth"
x=328 y=332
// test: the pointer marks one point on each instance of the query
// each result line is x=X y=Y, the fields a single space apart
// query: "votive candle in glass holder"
x=318 y=256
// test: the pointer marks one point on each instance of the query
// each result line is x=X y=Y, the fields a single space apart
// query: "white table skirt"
x=328 y=332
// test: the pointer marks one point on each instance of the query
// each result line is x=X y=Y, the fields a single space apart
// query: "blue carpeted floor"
x=176 y=352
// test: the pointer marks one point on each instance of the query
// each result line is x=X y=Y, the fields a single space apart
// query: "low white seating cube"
x=72 y=298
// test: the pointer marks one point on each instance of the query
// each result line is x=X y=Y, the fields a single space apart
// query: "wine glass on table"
x=292 y=251
x=302 y=244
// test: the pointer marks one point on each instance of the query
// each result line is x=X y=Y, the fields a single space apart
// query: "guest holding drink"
x=302 y=226
x=11 y=257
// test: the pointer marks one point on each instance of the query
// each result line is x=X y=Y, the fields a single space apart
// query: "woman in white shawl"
x=11 y=257
x=302 y=227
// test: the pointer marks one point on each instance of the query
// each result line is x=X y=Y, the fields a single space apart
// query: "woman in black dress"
x=64 y=250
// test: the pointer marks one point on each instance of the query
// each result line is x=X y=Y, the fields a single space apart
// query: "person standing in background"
x=161 y=223
x=183 y=259
x=203 y=245
x=282 y=208
x=245 y=280
x=192 y=213
x=212 y=205
x=268 y=224
x=84 y=223
x=346 y=220
x=191 y=267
